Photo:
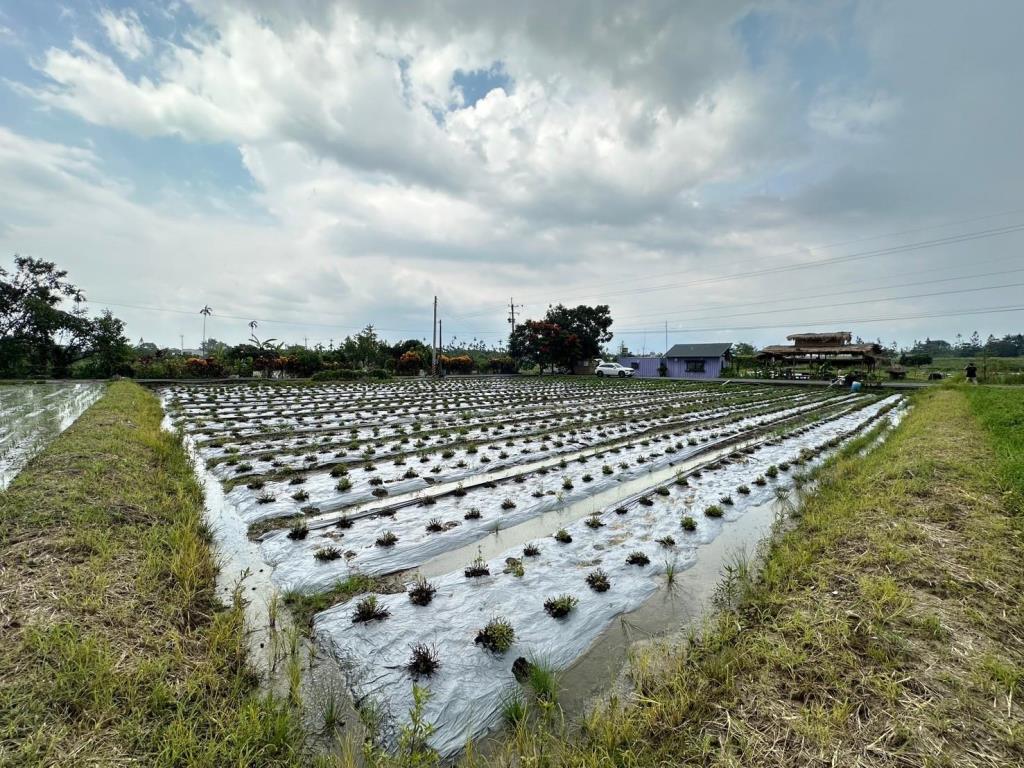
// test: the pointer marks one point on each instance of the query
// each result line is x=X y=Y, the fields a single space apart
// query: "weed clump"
x=424 y=661
x=666 y=541
x=344 y=522
x=300 y=496
x=637 y=558
x=299 y=530
x=434 y=525
x=598 y=581
x=422 y=591
x=688 y=523
x=265 y=498
x=647 y=501
x=531 y=550
x=560 y=607
x=472 y=514
x=661 y=490
x=497 y=635
x=594 y=521
x=562 y=536
x=714 y=511
x=508 y=504
x=743 y=489
x=344 y=484
x=772 y=471
x=369 y=609
x=759 y=480
x=726 y=501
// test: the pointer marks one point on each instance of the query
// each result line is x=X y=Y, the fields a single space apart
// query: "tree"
x=109 y=345
x=590 y=326
x=37 y=336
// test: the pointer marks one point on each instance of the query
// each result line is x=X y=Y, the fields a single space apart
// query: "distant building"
x=834 y=348
x=683 y=361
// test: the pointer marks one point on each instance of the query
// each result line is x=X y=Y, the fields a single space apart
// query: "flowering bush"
x=199 y=367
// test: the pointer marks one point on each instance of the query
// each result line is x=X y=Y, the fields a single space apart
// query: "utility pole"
x=440 y=342
x=433 y=342
x=512 y=306
x=666 y=337
x=181 y=337
x=305 y=341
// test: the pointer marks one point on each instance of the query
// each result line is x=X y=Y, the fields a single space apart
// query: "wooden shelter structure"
x=834 y=349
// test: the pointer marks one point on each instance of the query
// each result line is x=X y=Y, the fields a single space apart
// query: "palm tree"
x=205 y=312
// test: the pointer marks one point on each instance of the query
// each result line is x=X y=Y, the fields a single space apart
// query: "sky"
x=728 y=171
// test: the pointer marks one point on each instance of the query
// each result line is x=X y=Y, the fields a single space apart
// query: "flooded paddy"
x=556 y=511
x=31 y=415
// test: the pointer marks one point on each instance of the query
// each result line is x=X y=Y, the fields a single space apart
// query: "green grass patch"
x=115 y=649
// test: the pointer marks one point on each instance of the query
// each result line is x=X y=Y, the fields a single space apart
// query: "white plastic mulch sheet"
x=469 y=687
x=31 y=415
x=509 y=503
x=410 y=472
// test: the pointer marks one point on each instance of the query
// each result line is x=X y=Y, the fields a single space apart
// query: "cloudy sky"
x=737 y=170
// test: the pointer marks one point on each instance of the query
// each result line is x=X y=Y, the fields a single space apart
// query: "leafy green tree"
x=109 y=346
x=38 y=337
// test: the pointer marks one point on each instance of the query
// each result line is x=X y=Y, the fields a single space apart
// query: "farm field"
x=31 y=415
x=606 y=488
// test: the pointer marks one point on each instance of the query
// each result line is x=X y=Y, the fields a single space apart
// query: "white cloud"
x=126 y=32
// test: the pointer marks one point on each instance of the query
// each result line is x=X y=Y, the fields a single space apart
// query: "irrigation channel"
x=31 y=415
x=517 y=519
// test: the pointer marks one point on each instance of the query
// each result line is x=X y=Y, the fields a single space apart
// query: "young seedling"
x=424 y=661
x=714 y=511
x=594 y=521
x=387 y=539
x=422 y=591
x=300 y=496
x=434 y=525
x=477 y=568
x=759 y=480
x=531 y=550
x=299 y=530
x=472 y=514
x=646 y=501
x=666 y=541
x=514 y=566
x=688 y=523
x=254 y=485
x=567 y=484
x=497 y=635
x=339 y=470
x=661 y=490
x=560 y=607
x=344 y=484
x=772 y=471
x=598 y=581
x=743 y=489
x=265 y=498
x=369 y=609
x=621 y=510
x=562 y=536
x=637 y=558
x=326 y=554
x=508 y=504
x=607 y=470
x=725 y=501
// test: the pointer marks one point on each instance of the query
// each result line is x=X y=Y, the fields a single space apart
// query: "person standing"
x=972 y=373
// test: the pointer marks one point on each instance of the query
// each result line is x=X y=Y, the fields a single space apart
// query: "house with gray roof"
x=682 y=361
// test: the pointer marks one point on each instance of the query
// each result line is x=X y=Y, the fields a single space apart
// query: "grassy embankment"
x=886 y=628
x=113 y=649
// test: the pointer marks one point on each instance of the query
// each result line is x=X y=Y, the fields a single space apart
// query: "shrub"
x=326 y=554
x=497 y=635
x=562 y=536
x=424 y=660
x=637 y=558
x=387 y=539
x=714 y=511
x=598 y=581
x=299 y=530
x=688 y=523
x=421 y=592
x=368 y=609
x=560 y=607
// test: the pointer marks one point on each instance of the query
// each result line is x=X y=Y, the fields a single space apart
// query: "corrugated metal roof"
x=699 y=350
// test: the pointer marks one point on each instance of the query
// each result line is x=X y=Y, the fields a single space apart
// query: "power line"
x=834 y=321
x=865 y=301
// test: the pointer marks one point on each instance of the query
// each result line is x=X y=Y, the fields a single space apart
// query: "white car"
x=613 y=369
